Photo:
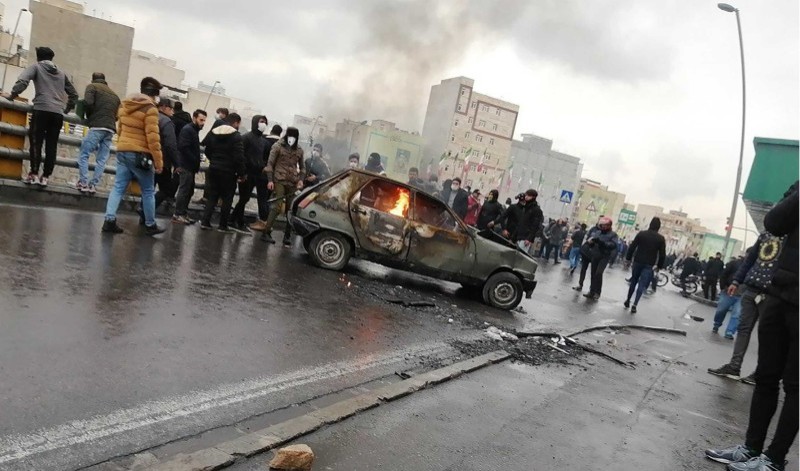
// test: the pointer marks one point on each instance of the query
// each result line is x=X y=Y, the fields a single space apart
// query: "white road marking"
x=19 y=446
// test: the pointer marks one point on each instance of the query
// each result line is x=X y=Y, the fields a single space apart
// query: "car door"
x=439 y=243
x=379 y=214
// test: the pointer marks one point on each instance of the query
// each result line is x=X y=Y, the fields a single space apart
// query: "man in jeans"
x=187 y=166
x=55 y=95
x=101 y=107
x=728 y=302
x=138 y=155
x=648 y=250
x=575 y=251
x=777 y=351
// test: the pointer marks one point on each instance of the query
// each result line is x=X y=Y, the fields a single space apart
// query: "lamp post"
x=10 y=46
x=731 y=9
x=214 y=87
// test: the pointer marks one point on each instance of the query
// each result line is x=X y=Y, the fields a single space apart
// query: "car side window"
x=433 y=212
x=386 y=197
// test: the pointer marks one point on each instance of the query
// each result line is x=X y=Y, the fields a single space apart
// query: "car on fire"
x=369 y=216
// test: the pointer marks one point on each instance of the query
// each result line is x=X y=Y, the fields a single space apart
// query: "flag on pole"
x=441 y=159
x=541 y=180
x=480 y=164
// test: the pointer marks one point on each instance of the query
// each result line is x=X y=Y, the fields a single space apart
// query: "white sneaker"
x=42 y=181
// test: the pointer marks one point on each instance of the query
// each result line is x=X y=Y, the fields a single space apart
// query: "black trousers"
x=259 y=182
x=585 y=262
x=777 y=360
x=599 y=265
x=167 y=183
x=220 y=185
x=185 y=190
x=710 y=288
x=44 y=131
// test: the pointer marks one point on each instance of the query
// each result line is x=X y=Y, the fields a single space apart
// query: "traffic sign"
x=591 y=208
x=566 y=196
x=627 y=217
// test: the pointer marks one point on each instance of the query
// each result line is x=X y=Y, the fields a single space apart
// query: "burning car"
x=357 y=213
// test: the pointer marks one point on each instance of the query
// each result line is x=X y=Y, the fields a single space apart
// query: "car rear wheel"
x=329 y=250
x=503 y=290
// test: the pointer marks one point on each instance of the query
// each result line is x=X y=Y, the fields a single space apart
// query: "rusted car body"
x=357 y=213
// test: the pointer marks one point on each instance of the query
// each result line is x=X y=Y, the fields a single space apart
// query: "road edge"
x=226 y=453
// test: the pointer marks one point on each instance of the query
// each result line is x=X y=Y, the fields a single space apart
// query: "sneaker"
x=591 y=296
x=729 y=336
x=572 y=271
x=42 y=181
x=225 y=230
x=578 y=288
x=725 y=370
x=91 y=189
x=734 y=454
x=633 y=309
x=750 y=379
x=241 y=229
x=258 y=226
x=31 y=179
x=627 y=304
x=111 y=227
x=82 y=187
x=205 y=227
x=153 y=230
x=200 y=201
x=180 y=220
x=287 y=243
x=267 y=237
x=714 y=330
x=757 y=463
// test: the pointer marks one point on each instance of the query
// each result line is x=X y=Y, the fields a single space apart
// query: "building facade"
x=594 y=200
x=399 y=149
x=83 y=44
x=144 y=64
x=468 y=134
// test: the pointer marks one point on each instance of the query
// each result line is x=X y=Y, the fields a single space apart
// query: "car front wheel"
x=503 y=290
x=329 y=250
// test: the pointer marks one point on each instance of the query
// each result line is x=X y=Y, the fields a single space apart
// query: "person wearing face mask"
x=353 y=160
x=187 y=166
x=316 y=167
x=222 y=115
x=253 y=143
x=285 y=157
x=225 y=152
x=374 y=164
x=473 y=208
x=601 y=242
x=490 y=211
x=530 y=221
x=456 y=197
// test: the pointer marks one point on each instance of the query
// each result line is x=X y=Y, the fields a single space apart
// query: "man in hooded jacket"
x=601 y=242
x=225 y=152
x=316 y=168
x=285 y=158
x=254 y=143
x=55 y=96
x=490 y=211
x=648 y=250
x=180 y=118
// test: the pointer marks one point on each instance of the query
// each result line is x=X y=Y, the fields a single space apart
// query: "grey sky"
x=647 y=94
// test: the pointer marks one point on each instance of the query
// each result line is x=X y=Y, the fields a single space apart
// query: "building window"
x=470 y=120
x=498 y=111
x=463 y=91
x=494 y=127
x=473 y=105
x=482 y=124
x=452 y=138
x=478 y=138
x=456 y=123
x=466 y=134
x=472 y=167
x=459 y=107
x=484 y=108
x=491 y=141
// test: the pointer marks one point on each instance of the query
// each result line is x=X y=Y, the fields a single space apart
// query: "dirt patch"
x=533 y=351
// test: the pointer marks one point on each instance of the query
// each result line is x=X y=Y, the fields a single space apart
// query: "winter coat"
x=782 y=221
x=491 y=211
x=137 y=128
x=691 y=266
x=102 y=105
x=189 y=148
x=473 y=208
x=714 y=268
x=577 y=238
x=225 y=150
x=531 y=222
x=726 y=278
x=649 y=248
x=557 y=234
x=181 y=119
x=511 y=218
x=601 y=244
x=283 y=163
x=460 y=203
x=319 y=168
x=254 y=144
x=169 y=144
x=53 y=90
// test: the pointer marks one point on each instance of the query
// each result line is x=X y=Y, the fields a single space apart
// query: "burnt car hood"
x=493 y=242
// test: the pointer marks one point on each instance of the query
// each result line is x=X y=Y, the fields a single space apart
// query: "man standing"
x=511 y=217
x=285 y=158
x=530 y=221
x=374 y=164
x=225 y=152
x=55 y=96
x=575 y=251
x=602 y=242
x=138 y=155
x=187 y=166
x=180 y=118
x=728 y=302
x=777 y=354
x=254 y=143
x=169 y=149
x=648 y=250
x=316 y=168
x=473 y=208
x=491 y=210
x=414 y=180
x=101 y=105
x=555 y=241
x=456 y=197
x=713 y=271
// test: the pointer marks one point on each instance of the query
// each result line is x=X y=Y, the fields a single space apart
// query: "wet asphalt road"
x=114 y=344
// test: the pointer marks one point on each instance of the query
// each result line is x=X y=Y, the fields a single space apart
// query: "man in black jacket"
x=225 y=152
x=254 y=143
x=575 y=251
x=169 y=150
x=777 y=352
x=511 y=217
x=456 y=197
x=691 y=266
x=180 y=118
x=491 y=210
x=187 y=166
x=101 y=106
x=648 y=250
x=530 y=222
x=713 y=271
x=316 y=168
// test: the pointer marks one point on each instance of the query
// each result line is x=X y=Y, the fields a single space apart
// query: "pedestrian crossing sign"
x=591 y=208
x=566 y=196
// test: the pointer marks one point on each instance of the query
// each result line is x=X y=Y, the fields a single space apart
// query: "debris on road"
x=620 y=327
x=494 y=333
x=293 y=458
x=532 y=351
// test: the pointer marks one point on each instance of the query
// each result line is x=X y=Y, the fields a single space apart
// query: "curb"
x=226 y=453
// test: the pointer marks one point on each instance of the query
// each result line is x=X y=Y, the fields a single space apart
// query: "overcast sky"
x=647 y=94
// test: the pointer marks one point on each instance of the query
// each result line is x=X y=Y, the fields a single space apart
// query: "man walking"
x=225 y=152
x=728 y=302
x=101 y=105
x=285 y=158
x=648 y=250
x=777 y=355
x=575 y=251
x=169 y=150
x=456 y=198
x=138 y=155
x=713 y=271
x=253 y=143
x=555 y=241
x=316 y=168
x=54 y=97
x=187 y=166
x=602 y=242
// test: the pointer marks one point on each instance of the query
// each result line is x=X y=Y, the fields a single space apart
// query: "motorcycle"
x=690 y=285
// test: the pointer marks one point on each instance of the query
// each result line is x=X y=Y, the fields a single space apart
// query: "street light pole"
x=10 y=46
x=214 y=87
x=731 y=9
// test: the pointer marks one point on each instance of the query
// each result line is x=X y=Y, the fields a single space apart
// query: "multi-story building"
x=83 y=44
x=144 y=64
x=594 y=200
x=534 y=164
x=399 y=150
x=468 y=134
x=311 y=129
